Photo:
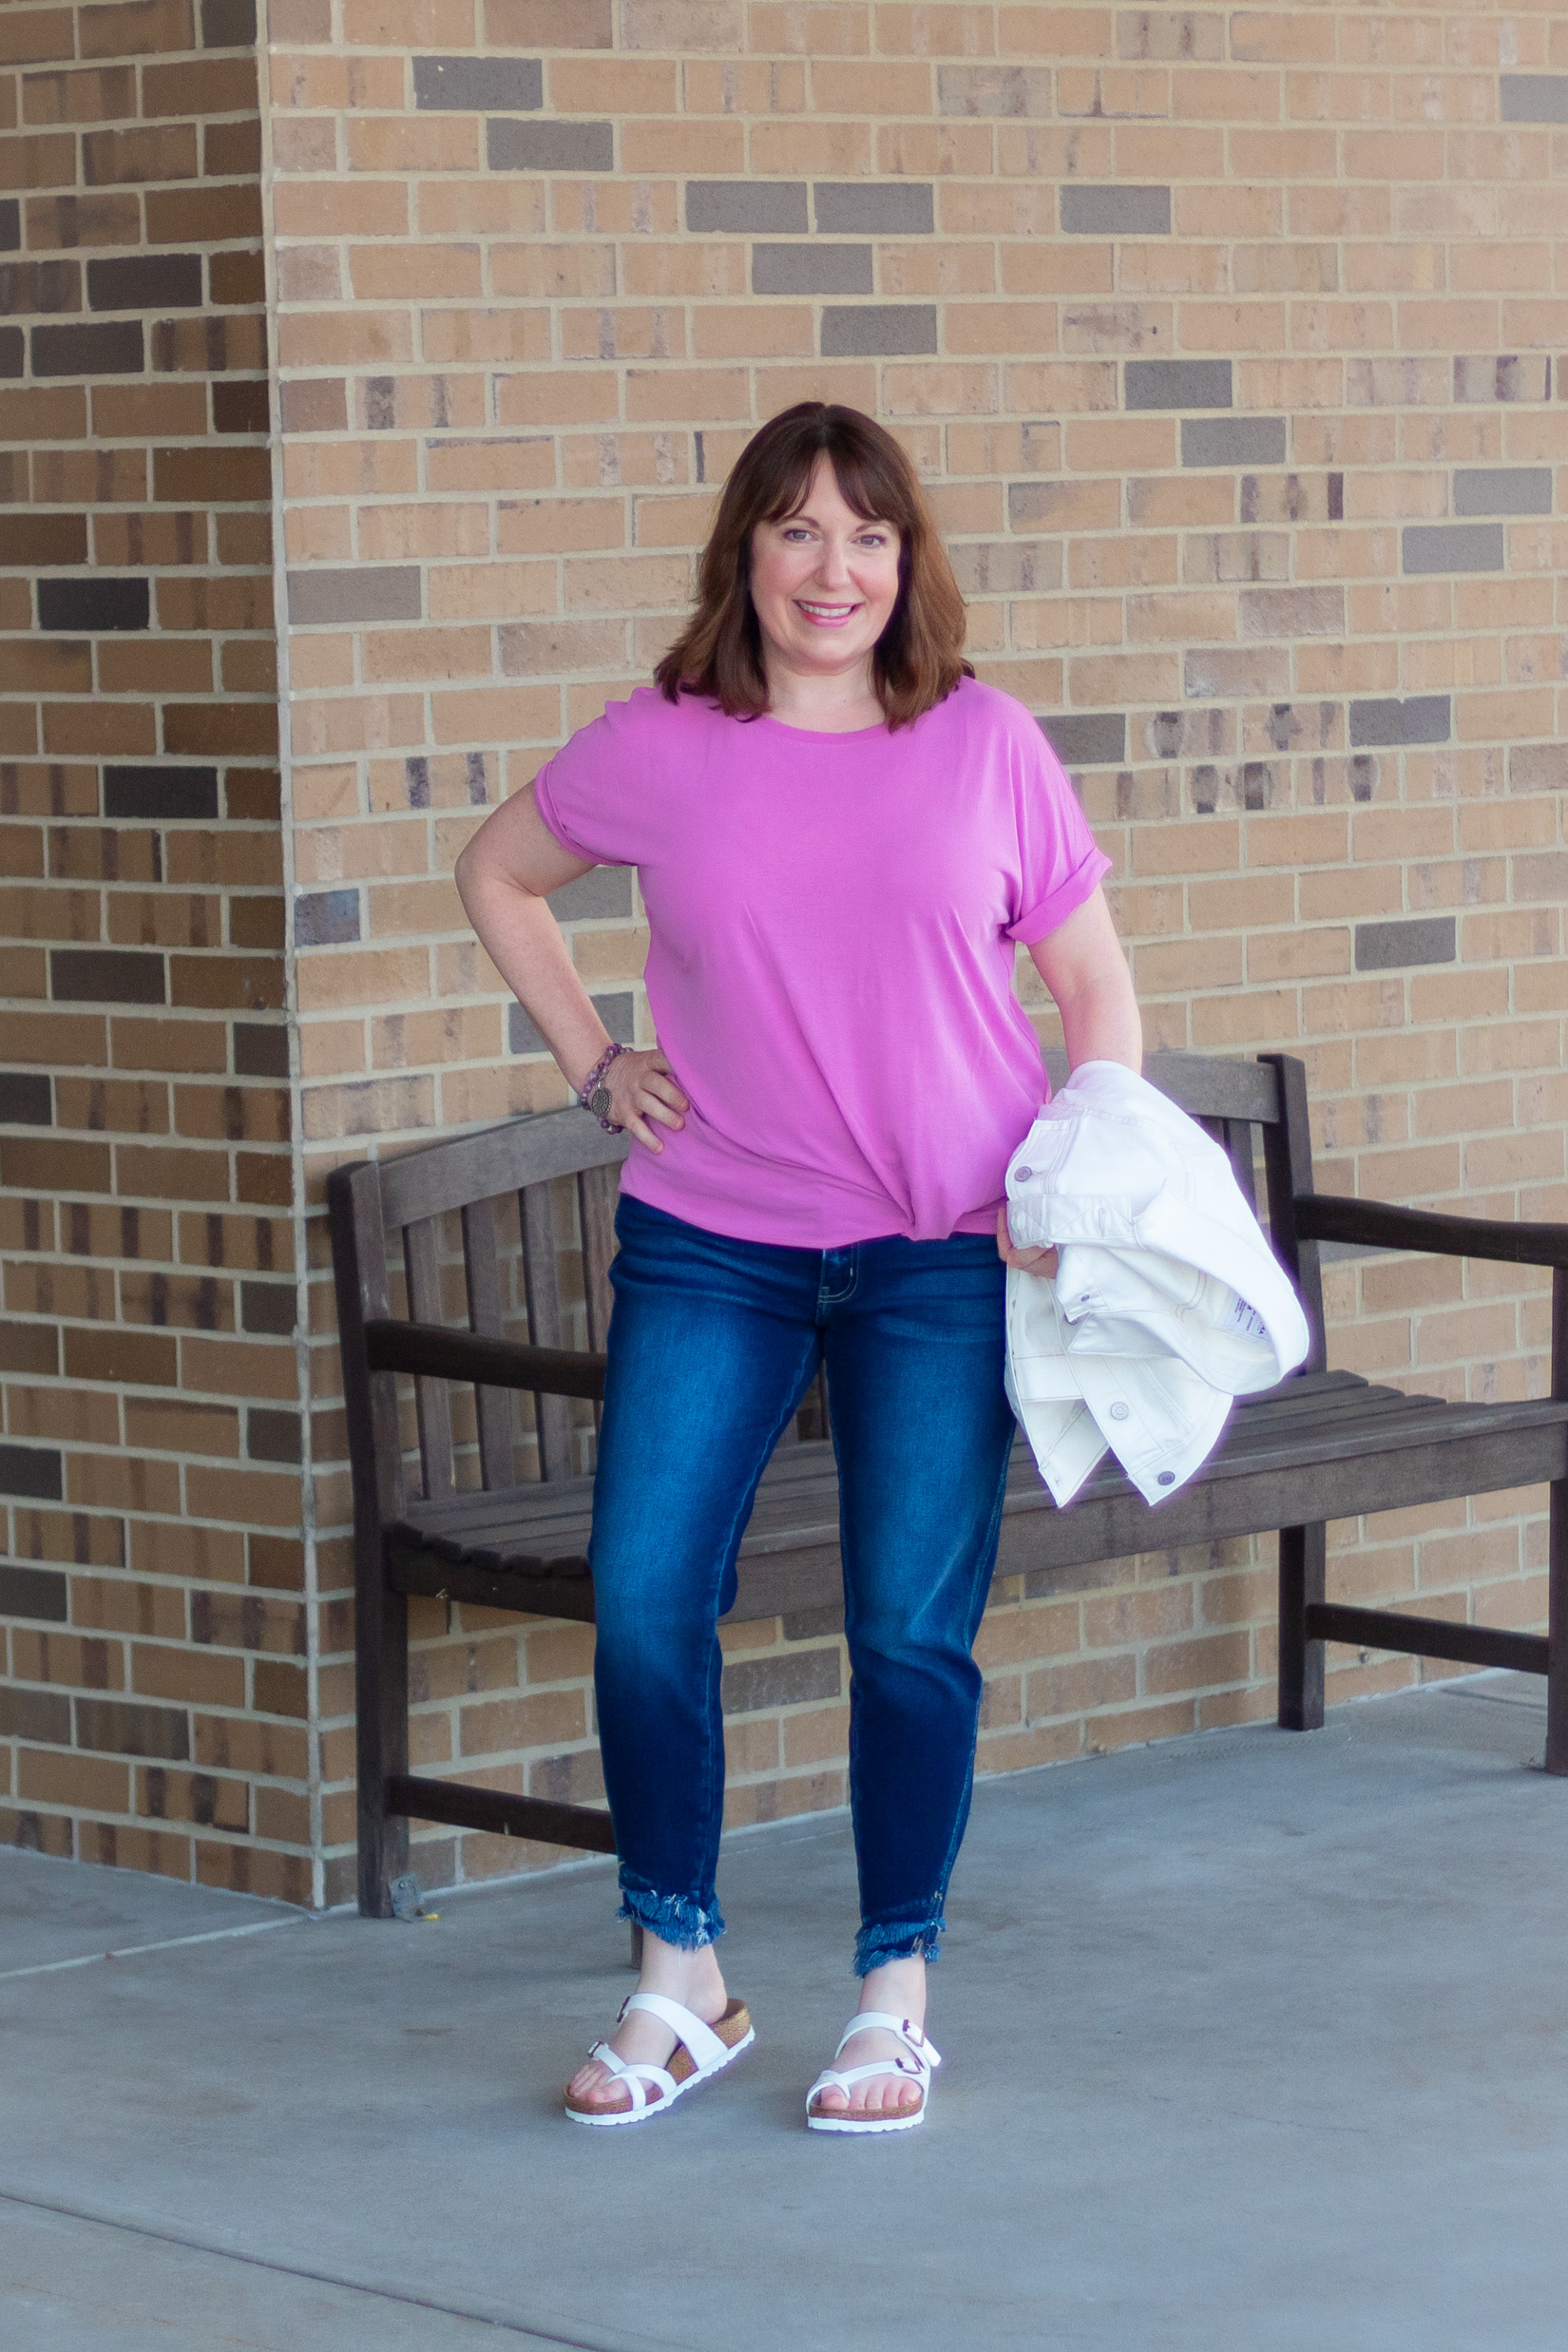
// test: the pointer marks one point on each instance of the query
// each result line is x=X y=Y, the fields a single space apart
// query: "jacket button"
x=1023 y=1174
x=1120 y=1412
x=1166 y=1478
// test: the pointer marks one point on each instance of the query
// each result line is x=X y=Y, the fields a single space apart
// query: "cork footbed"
x=732 y=2027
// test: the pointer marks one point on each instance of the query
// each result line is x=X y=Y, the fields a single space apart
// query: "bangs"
x=869 y=490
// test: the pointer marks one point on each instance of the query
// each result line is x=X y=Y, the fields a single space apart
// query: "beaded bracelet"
x=595 y=1097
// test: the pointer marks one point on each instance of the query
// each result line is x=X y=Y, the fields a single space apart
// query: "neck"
x=828 y=705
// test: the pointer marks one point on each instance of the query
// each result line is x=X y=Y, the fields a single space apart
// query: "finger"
x=642 y=1133
x=652 y=1108
x=665 y=1090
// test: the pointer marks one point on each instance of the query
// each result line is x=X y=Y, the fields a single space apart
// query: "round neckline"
x=825 y=734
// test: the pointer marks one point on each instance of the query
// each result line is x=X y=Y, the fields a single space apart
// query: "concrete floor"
x=1252 y=2040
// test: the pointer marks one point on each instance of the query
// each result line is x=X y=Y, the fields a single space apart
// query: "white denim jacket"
x=1167 y=1300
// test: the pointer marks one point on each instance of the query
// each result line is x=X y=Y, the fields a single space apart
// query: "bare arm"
x=502 y=878
x=1083 y=964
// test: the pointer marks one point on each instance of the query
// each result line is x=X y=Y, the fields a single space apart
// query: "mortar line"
x=330 y=2277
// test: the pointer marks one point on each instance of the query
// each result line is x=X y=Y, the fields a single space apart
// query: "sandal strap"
x=845 y=2077
x=700 y=2041
x=927 y=2055
x=635 y=2078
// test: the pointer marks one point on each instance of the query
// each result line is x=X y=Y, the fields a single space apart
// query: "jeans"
x=713 y=1344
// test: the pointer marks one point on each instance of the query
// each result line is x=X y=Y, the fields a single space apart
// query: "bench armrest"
x=432 y=1350
x=1322 y=1217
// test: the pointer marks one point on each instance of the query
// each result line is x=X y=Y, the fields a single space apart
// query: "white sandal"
x=701 y=2051
x=921 y=2062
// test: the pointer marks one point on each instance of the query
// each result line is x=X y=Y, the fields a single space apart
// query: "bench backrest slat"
x=442 y=1176
x=481 y=1272
x=547 y=1325
x=433 y=1398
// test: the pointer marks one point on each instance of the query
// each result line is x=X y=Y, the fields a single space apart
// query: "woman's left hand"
x=1027 y=1261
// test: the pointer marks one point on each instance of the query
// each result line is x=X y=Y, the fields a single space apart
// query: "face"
x=824 y=581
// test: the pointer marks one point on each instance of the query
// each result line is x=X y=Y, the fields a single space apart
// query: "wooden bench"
x=1323 y=1445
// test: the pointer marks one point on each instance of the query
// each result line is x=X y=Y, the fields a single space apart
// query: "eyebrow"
x=867 y=522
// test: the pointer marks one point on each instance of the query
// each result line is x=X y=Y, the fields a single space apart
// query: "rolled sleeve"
x=1062 y=899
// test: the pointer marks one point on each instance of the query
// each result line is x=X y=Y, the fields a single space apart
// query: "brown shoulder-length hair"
x=919 y=657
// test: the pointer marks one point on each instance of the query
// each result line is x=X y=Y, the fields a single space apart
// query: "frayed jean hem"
x=674 y=1919
x=896 y=1940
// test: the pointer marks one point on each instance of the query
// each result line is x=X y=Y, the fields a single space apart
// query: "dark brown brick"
x=148 y=411
x=12 y=353
x=45 y=666
x=110 y=348
x=167 y=1172
x=187 y=477
x=29 y=34
x=39 y=159
x=30 y=540
x=139 y=1359
x=229 y=25
x=242 y=406
x=171 y=538
x=200 y=86
x=106 y=976
x=136 y=28
x=202 y=216
x=33 y=1164
x=253 y=796
x=236 y=277
x=230 y=150
x=219 y=728
x=29 y=287
x=252 y=984
x=146 y=282
x=11 y=225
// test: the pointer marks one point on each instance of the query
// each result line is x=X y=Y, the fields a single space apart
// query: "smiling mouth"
x=826 y=615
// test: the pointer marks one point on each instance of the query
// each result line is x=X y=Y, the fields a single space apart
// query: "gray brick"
x=1502 y=489
x=272 y=1436
x=131 y=1728
x=618 y=1013
x=269 y=1307
x=1004 y=90
x=514 y=145
x=1507 y=376
x=11 y=225
x=25 y=1100
x=604 y=890
x=91 y=605
x=159 y=793
x=42 y=1716
x=789 y=1681
x=879 y=331
x=1178 y=384
x=38 y=1593
x=326 y=918
x=811 y=269
x=13 y=355
x=147 y=281
x=1419 y=718
x=874 y=207
x=356 y=592
x=228 y=24
x=35 y=1471
x=747 y=207
x=479 y=84
x=1389 y=946
x=1115 y=211
x=107 y=347
x=1535 y=96
x=105 y=976
x=1088 y=739
x=1539 y=768
x=1232 y=440
x=1452 y=548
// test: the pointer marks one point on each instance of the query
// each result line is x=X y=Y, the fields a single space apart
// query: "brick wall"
x=153 y=1706
x=1227 y=341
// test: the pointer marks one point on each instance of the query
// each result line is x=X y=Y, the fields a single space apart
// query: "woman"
x=840 y=833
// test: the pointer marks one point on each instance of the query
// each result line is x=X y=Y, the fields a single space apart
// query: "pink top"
x=831 y=967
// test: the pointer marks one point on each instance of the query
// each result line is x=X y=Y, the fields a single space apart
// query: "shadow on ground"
x=1252 y=2040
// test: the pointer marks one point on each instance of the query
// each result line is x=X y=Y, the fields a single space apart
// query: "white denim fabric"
x=1167 y=1300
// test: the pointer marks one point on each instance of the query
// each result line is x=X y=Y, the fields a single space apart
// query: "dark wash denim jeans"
x=713 y=1344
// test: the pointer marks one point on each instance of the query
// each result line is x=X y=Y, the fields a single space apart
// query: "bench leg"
x=635 y=1960
x=1557 y=1589
x=381 y=1676
x=1301 y=1554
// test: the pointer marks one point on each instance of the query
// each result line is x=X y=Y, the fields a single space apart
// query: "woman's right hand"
x=645 y=1095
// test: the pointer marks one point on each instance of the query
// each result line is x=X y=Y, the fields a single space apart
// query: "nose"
x=832 y=568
